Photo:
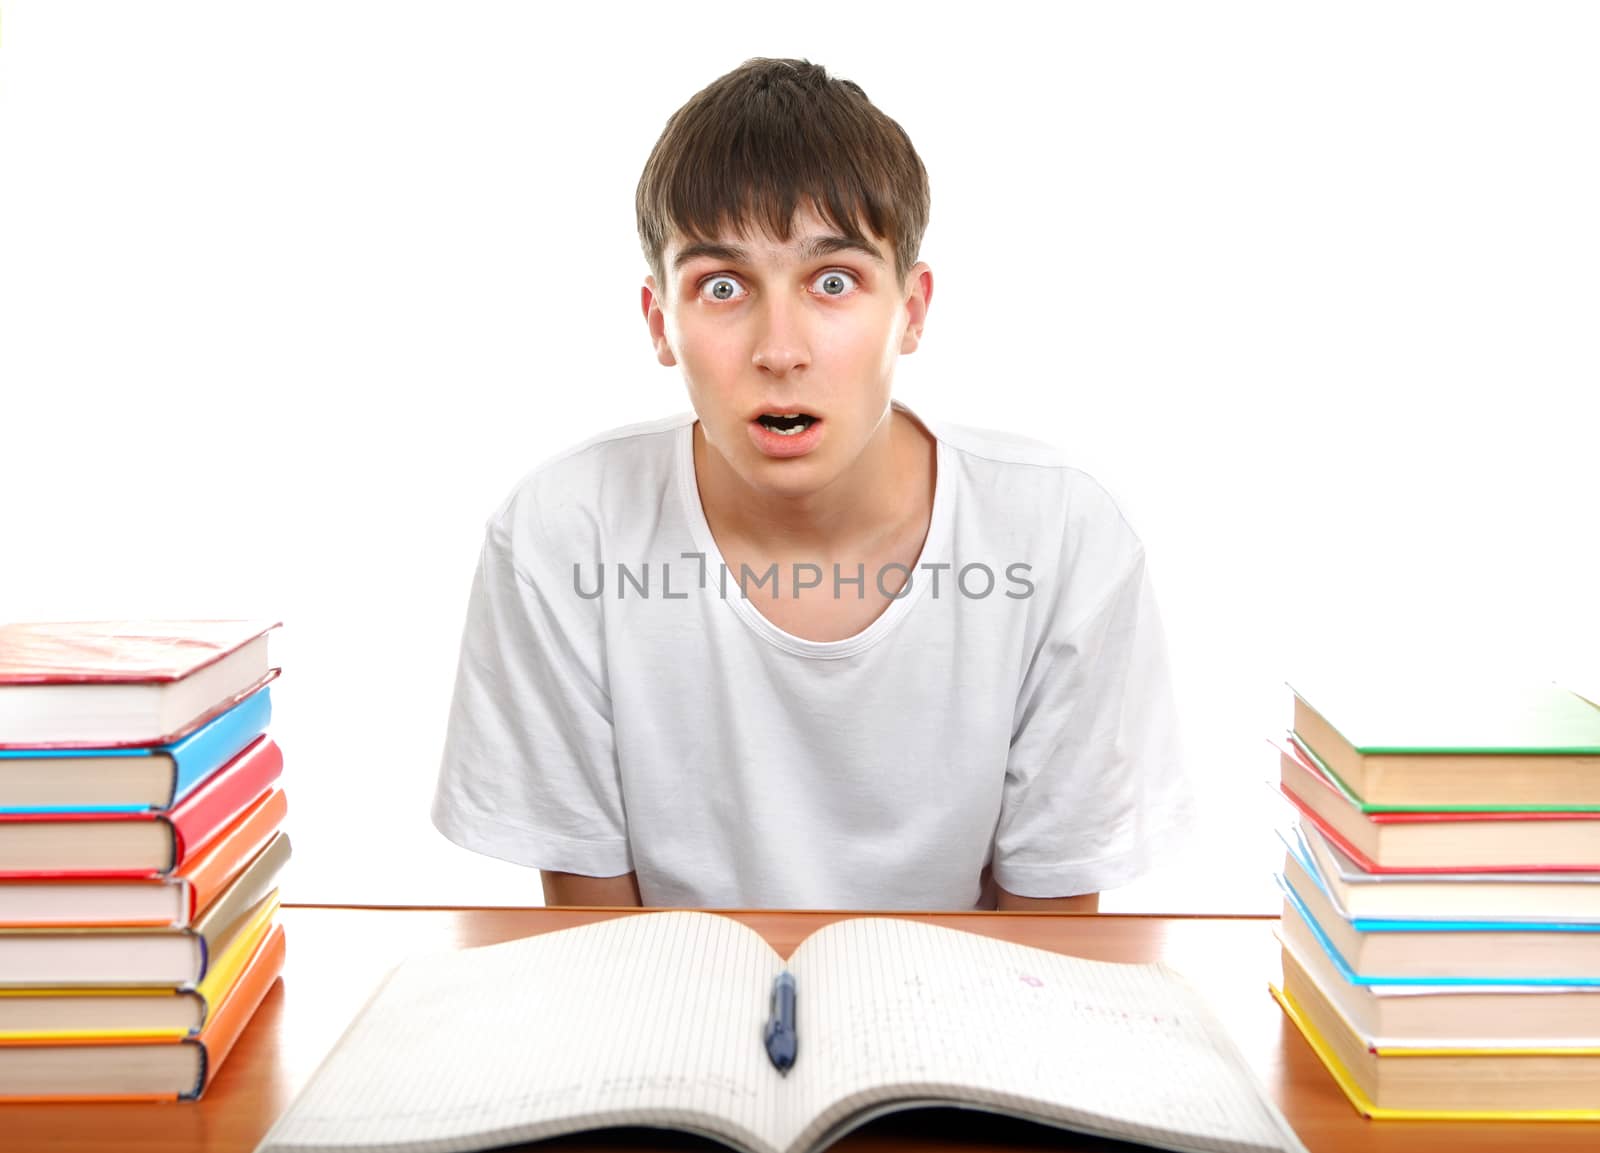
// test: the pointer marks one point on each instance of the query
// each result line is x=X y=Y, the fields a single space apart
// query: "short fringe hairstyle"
x=748 y=148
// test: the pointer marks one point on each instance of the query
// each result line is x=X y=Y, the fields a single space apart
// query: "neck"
x=856 y=512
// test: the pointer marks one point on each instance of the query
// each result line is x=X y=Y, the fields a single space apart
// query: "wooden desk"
x=338 y=955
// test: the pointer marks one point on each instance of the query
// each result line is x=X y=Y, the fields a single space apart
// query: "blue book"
x=128 y=780
x=1518 y=956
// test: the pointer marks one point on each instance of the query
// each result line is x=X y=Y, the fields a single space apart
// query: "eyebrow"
x=810 y=249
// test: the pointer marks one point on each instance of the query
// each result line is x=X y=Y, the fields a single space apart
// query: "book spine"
x=232 y=849
x=236 y=909
x=210 y=748
x=227 y=1023
x=209 y=808
x=232 y=962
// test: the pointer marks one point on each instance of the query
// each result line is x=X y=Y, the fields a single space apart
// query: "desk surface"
x=337 y=956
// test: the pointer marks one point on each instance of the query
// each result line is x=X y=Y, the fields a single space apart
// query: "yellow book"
x=65 y=1013
x=1361 y=1087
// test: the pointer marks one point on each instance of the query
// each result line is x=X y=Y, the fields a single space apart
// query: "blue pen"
x=780 y=1036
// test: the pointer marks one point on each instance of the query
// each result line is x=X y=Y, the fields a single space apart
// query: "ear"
x=656 y=321
x=919 y=296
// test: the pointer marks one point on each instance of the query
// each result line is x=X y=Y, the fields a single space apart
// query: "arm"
x=1095 y=788
x=529 y=772
x=575 y=889
x=1082 y=903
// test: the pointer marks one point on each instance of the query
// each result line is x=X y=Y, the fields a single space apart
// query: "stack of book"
x=1441 y=920
x=141 y=844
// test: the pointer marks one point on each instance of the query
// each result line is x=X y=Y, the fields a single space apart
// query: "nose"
x=780 y=344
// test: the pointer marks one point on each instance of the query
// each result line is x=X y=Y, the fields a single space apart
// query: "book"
x=1306 y=753
x=1514 y=1016
x=151 y=1068
x=1439 y=842
x=129 y=779
x=66 y=1012
x=657 y=1019
x=1484 y=1083
x=1468 y=949
x=174 y=900
x=101 y=684
x=1348 y=950
x=1432 y=743
x=176 y=958
x=1302 y=862
x=1459 y=896
x=142 y=844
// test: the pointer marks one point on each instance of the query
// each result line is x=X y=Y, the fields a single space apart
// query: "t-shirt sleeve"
x=1095 y=787
x=529 y=772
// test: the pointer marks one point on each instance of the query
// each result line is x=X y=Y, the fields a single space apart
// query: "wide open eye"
x=721 y=287
x=835 y=282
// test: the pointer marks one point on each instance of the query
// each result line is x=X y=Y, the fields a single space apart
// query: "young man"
x=802 y=647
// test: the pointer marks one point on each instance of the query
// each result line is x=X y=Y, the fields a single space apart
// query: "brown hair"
x=751 y=145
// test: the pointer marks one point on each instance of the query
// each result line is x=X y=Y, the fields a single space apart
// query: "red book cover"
x=205 y=876
x=212 y=807
x=225 y=855
x=117 y=652
x=193 y=823
x=118 y=656
x=1371 y=866
x=1531 y=815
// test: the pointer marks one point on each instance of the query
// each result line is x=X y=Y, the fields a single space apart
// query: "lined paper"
x=650 y=1019
x=656 y=1019
x=891 y=1009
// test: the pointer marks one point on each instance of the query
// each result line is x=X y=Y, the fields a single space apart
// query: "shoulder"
x=1005 y=450
x=1037 y=480
x=1063 y=516
x=588 y=491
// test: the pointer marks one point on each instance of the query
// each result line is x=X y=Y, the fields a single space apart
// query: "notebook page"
x=648 y=1019
x=891 y=1009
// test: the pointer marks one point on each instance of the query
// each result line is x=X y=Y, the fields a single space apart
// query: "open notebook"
x=657 y=1020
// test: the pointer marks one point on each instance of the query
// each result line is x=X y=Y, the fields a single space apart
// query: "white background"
x=291 y=294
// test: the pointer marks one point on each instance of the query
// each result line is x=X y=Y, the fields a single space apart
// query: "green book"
x=1436 y=744
x=1350 y=795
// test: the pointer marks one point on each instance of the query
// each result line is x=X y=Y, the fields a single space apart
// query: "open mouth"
x=787 y=424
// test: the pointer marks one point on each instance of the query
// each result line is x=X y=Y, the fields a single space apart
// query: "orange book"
x=175 y=901
x=65 y=958
x=121 y=1069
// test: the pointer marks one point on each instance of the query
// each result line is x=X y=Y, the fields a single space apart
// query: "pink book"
x=115 y=684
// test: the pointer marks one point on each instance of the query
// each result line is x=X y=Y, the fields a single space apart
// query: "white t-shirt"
x=1013 y=706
